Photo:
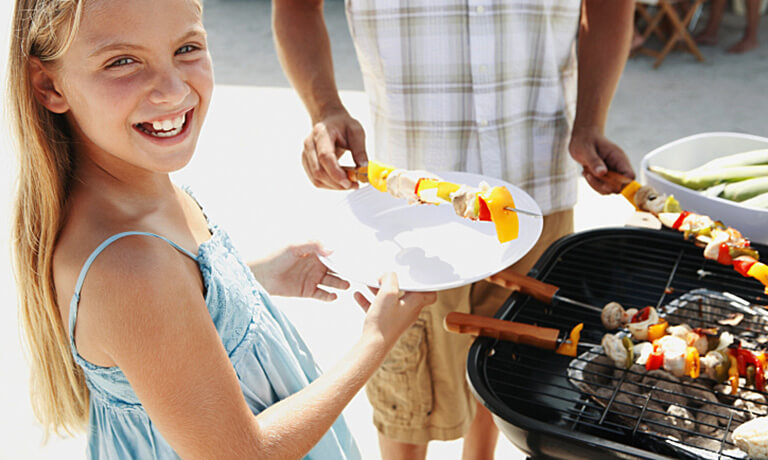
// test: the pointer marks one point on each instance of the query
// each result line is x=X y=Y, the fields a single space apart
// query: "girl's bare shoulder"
x=135 y=280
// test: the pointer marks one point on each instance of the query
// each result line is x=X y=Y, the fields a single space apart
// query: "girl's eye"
x=185 y=49
x=121 y=62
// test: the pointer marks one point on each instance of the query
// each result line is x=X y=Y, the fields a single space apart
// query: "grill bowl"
x=527 y=389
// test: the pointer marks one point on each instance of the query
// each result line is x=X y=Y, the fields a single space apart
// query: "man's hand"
x=296 y=271
x=329 y=139
x=596 y=154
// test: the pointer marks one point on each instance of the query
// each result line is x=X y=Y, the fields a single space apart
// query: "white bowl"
x=690 y=152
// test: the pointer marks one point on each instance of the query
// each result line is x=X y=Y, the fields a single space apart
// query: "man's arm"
x=604 y=39
x=304 y=50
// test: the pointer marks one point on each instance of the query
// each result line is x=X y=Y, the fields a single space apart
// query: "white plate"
x=429 y=247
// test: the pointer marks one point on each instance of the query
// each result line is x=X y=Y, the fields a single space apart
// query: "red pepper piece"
x=745 y=358
x=641 y=315
x=680 y=220
x=483 y=212
x=655 y=359
x=724 y=255
x=742 y=264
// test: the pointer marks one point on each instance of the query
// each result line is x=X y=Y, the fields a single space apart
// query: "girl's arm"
x=143 y=304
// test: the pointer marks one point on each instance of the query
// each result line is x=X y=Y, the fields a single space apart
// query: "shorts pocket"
x=400 y=391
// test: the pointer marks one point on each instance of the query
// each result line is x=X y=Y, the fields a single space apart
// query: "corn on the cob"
x=752 y=157
x=759 y=201
x=746 y=189
x=699 y=179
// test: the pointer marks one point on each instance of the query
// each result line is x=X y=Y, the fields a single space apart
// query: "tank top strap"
x=87 y=265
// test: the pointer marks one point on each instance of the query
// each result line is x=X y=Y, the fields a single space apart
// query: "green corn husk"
x=752 y=157
x=759 y=201
x=700 y=179
x=746 y=189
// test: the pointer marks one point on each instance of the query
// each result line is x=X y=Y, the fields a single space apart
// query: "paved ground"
x=252 y=142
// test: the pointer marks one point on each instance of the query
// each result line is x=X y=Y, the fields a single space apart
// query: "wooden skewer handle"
x=616 y=180
x=464 y=323
x=539 y=290
x=355 y=174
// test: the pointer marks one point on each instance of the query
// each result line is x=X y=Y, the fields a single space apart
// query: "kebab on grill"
x=684 y=351
x=481 y=203
x=723 y=244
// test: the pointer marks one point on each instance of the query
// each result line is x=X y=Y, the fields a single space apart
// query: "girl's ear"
x=44 y=87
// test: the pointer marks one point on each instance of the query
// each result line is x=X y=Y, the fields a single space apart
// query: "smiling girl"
x=141 y=319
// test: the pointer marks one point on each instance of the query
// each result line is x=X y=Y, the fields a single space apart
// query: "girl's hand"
x=296 y=271
x=392 y=311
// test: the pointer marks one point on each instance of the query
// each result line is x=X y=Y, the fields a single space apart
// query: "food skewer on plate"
x=482 y=203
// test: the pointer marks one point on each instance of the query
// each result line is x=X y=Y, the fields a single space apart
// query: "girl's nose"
x=169 y=88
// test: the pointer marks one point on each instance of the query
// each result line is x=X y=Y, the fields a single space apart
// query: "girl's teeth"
x=168 y=128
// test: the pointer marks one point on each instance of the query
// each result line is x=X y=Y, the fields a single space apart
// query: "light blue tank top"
x=268 y=355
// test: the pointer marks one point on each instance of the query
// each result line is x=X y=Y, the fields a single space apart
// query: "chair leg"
x=682 y=30
x=649 y=20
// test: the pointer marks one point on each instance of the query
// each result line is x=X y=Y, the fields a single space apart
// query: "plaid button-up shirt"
x=483 y=86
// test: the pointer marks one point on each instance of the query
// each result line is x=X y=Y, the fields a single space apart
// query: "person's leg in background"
x=708 y=36
x=749 y=41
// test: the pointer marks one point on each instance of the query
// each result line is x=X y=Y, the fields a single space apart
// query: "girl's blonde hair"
x=44 y=29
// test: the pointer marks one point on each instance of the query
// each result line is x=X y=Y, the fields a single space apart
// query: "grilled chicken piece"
x=674 y=349
x=464 y=198
x=401 y=183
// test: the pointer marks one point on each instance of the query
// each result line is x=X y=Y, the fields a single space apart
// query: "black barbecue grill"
x=536 y=395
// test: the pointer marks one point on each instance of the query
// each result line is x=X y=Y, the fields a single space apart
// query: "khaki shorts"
x=420 y=392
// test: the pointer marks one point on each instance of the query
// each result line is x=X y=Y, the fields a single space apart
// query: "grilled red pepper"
x=746 y=358
x=680 y=220
x=655 y=359
x=742 y=264
x=724 y=254
x=641 y=315
x=483 y=212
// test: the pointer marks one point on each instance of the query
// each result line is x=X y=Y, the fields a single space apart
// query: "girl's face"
x=137 y=81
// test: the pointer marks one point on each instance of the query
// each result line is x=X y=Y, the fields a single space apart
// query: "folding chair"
x=680 y=31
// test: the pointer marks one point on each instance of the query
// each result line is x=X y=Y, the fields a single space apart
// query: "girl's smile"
x=166 y=130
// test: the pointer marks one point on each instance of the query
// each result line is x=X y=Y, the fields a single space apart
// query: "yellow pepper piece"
x=377 y=175
x=629 y=191
x=759 y=271
x=692 y=365
x=506 y=222
x=657 y=331
x=444 y=190
x=570 y=347
x=733 y=374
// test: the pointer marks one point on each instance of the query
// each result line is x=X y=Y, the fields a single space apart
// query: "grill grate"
x=530 y=389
